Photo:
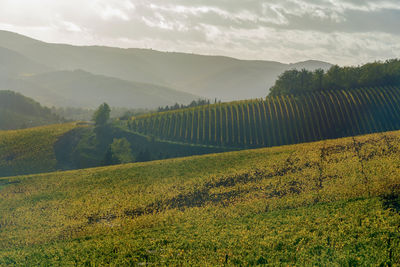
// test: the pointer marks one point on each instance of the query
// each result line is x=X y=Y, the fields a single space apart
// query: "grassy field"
x=334 y=202
x=30 y=150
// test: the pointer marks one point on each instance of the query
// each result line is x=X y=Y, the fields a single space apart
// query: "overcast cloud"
x=337 y=31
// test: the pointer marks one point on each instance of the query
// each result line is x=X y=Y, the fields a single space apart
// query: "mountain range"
x=85 y=76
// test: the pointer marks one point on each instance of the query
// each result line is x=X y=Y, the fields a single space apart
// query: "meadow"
x=333 y=202
x=30 y=150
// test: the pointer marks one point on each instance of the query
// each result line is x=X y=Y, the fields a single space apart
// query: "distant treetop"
x=194 y=103
x=102 y=114
x=376 y=74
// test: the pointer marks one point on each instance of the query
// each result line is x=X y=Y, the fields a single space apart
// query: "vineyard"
x=278 y=120
x=328 y=203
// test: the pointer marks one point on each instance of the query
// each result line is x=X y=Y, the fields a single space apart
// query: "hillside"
x=18 y=111
x=13 y=64
x=278 y=120
x=208 y=76
x=30 y=150
x=94 y=90
x=79 y=88
x=77 y=145
x=327 y=203
x=85 y=90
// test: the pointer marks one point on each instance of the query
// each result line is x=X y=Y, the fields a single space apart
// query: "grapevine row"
x=278 y=120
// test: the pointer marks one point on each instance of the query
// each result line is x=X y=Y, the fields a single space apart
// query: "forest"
x=375 y=74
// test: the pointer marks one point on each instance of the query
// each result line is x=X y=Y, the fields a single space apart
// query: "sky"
x=344 y=32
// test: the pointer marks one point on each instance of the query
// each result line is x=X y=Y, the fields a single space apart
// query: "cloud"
x=113 y=10
x=339 y=31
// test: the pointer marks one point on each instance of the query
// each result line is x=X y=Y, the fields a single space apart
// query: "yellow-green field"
x=334 y=202
x=30 y=150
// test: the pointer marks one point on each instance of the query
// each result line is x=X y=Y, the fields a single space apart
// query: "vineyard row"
x=278 y=120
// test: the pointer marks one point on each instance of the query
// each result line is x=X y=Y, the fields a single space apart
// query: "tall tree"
x=318 y=79
x=102 y=114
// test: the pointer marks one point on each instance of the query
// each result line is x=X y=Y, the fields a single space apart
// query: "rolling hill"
x=278 y=120
x=208 y=76
x=13 y=64
x=85 y=90
x=18 y=111
x=30 y=150
x=330 y=203
x=82 y=89
x=79 y=145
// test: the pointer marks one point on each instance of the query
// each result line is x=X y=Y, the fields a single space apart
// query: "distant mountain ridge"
x=207 y=76
x=14 y=64
x=80 y=88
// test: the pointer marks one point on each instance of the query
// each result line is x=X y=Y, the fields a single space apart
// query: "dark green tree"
x=318 y=79
x=108 y=159
x=121 y=151
x=102 y=115
x=286 y=83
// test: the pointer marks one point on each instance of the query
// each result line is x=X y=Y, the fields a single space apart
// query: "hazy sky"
x=338 y=31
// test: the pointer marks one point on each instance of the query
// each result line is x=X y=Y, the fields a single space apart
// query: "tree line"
x=376 y=74
x=194 y=103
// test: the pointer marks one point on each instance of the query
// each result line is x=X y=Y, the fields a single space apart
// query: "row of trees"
x=194 y=103
x=377 y=74
x=278 y=120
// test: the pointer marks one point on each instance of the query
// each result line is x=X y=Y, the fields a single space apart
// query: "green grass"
x=334 y=202
x=30 y=150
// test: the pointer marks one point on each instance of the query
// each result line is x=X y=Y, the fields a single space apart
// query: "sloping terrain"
x=83 y=89
x=18 y=111
x=78 y=88
x=208 y=76
x=30 y=150
x=13 y=64
x=327 y=203
x=278 y=120
x=79 y=145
